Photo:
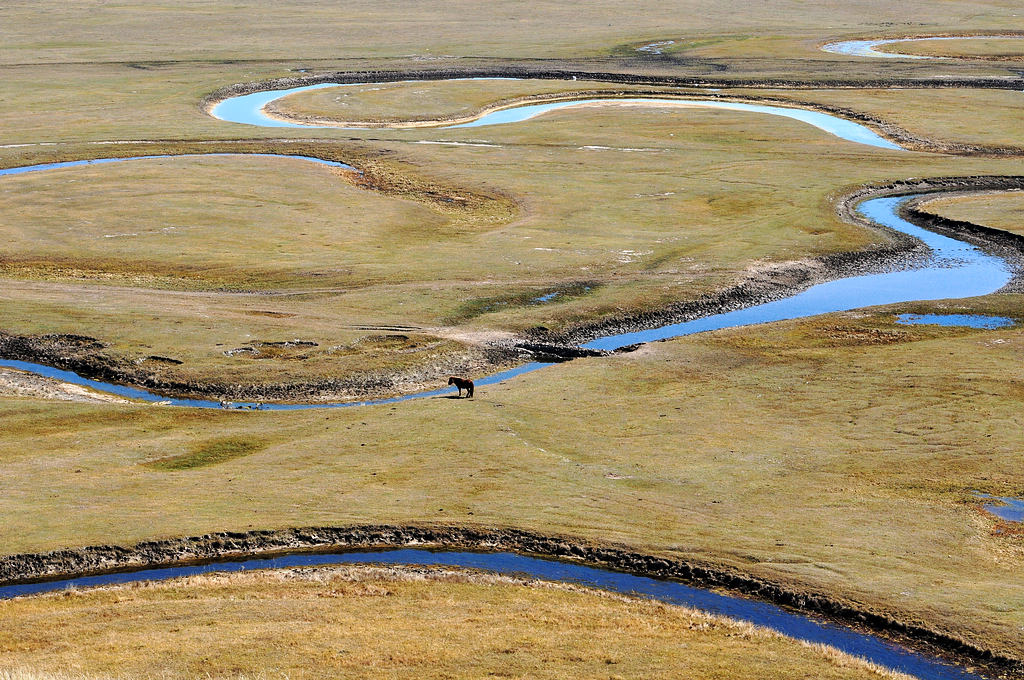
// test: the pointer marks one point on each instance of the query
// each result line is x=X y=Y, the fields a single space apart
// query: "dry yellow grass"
x=833 y=454
x=419 y=102
x=365 y=621
x=147 y=30
x=1000 y=211
x=987 y=48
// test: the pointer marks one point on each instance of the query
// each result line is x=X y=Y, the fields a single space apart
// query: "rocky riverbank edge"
x=223 y=546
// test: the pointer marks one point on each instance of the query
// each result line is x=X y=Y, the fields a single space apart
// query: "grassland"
x=327 y=622
x=424 y=102
x=246 y=254
x=1000 y=211
x=834 y=455
x=146 y=30
x=985 y=48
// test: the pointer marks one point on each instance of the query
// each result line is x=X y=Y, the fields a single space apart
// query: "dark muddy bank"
x=229 y=545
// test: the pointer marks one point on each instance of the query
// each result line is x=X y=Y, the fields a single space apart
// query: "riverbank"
x=15 y=383
x=160 y=554
x=896 y=252
x=86 y=357
x=396 y=620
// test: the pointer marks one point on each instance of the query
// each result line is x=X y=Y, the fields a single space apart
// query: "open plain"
x=833 y=461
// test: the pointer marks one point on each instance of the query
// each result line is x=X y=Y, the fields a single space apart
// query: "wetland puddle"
x=968 y=320
x=1004 y=507
x=802 y=627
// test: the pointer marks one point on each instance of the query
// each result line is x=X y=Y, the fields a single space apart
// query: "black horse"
x=462 y=384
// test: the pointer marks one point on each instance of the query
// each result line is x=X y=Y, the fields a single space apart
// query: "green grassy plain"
x=317 y=623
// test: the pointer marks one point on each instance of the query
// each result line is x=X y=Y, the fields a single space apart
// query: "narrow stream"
x=249 y=109
x=800 y=626
x=26 y=169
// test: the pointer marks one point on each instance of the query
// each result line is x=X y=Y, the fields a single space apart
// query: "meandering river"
x=956 y=269
x=250 y=109
x=800 y=626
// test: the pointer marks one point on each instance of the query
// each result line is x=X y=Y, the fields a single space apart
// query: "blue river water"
x=802 y=627
x=248 y=109
x=866 y=48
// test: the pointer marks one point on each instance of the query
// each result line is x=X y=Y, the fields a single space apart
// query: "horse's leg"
x=469 y=391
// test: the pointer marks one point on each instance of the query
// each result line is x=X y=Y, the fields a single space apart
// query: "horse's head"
x=451 y=380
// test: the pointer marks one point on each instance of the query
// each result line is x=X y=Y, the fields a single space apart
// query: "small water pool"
x=969 y=320
x=1004 y=507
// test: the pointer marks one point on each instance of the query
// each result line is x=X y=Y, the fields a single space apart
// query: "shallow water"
x=146 y=395
x=866 y=48
x=1005 y=507
x=248 y=109
x=800 y=626
x=969 y=320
